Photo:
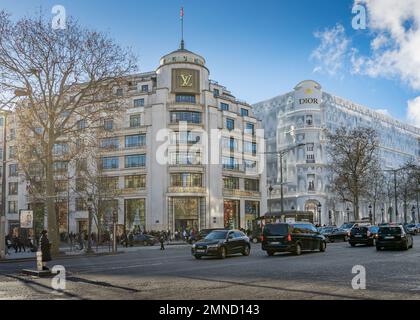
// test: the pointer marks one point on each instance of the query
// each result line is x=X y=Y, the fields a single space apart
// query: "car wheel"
x=322 y=246
x=197 y=257
x=247 y=251
x=222 y=253
x=270 y=253
x=298 y=249
x=254 y=240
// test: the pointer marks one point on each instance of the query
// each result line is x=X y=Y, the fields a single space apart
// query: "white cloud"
x=331 y=54
x=395 y=47
x=413 y=112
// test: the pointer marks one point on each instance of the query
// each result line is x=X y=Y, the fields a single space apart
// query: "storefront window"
x=135 y=215
x=231 y=214
x=186 y=213
x=252 y=211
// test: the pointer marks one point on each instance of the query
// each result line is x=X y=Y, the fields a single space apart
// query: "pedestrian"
x=162 y=241
x=131 y=239
x=184 y=235
x=80 y=240
x=45 y=249
x=7 y=244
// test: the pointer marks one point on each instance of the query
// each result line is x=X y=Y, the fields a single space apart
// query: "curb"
x=60 y=257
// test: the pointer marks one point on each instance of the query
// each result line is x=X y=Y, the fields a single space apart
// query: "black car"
x=363 y=235
x=393 y=236
x=292 y=237
x=333 y=234
x=221 y=243
x=204 y=233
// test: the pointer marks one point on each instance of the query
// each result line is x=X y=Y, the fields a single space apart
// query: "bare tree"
x=69 y=77
x=406 y=186
x=376 y=189
x=353 y=159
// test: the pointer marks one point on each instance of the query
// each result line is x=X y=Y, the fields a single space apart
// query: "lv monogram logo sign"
x=186 y=80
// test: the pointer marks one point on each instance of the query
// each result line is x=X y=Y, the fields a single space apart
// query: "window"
x=108 y=124
x=120 y=92
x=135 y=182
x=110 y=163
x=182 y=98
x=250 y=128
x=250 y=165
x=60 y=167
x=135 y=161
x=81 y=204
x=310 y=147
x=231 y=183
x=60 y=149
x=81 y=124
x=309 y=120
x=109 y=183
x=135 y=141
x=224 y=106
x=13 y=207
x=230 y=163
x=250 y=147
x=138 y=103
x=310 y=158
x=110 y=143
x=185 y=138
x=230 y=144
x=252 y=185
x=12 y=152
x=185 y=158
x=186 y=180
x=244 y=112
x=61 y=186
x=13 y=188
x=230 y=124
x=13 y=170
x=12 y=134
x=216 y=92
x=135 y=121
x=186 y=116
x=145 y=88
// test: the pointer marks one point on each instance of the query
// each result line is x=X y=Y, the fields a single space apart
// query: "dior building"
x=186 y=154
x=301 y=118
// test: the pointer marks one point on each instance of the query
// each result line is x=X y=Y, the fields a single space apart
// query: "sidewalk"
x=65 y=251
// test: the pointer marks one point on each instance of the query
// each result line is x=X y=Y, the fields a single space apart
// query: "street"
x=148 y=273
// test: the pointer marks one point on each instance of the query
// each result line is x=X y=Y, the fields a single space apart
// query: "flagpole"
x=182 y=28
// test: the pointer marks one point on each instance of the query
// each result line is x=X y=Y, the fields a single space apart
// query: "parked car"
x=221 y=243
x=292 y=237
x=363 y=235
x=418 y=227
x=347 y=226
x=411 y=228
x=333 y=234
x=145 y=240
x=394 y=236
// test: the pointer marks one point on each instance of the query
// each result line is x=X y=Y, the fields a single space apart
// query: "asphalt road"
x=149 y=273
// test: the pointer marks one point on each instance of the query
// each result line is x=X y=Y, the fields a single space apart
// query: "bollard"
x=39 y=260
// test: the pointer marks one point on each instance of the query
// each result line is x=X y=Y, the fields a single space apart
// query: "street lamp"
x=319 y=214
x=280 y=155
x=348 y=214
x=89 y=244
x=370 y=214
x=383 y=215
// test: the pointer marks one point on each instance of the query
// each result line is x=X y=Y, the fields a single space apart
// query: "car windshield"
x=326 y=230
x=346 y=226
x=390 y=230
x=279 y=229
x=216 y=235
x=411 y=226
x=374 y=229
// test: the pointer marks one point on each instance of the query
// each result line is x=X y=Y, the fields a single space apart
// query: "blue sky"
x=258 y=49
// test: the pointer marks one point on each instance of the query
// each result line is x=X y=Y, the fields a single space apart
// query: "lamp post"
x=319 y=206
x=270 y=190
x=348 y=214
x=280 y=155
x=370 y=214
x=89 y=244
x=382 y=217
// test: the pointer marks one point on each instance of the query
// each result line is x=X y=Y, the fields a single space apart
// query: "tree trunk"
x=356 y=208
x=50 y=205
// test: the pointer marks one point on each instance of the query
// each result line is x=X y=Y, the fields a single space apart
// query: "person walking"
x=45 y=249
x=80 y=240
x=162 y=241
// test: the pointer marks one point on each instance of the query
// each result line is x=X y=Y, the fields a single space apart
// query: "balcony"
x=186 y=190
x=132 y=190
x=240 y=193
